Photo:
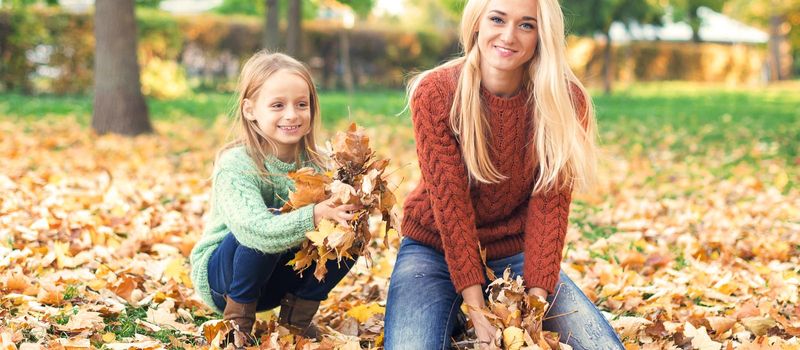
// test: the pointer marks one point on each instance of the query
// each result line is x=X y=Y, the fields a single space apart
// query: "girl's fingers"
x=349 y=207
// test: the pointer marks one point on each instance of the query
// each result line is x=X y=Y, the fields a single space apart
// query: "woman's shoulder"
x=443 y=77
x=437 y=88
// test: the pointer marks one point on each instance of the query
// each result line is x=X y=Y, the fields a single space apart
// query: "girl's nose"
x=290 y=113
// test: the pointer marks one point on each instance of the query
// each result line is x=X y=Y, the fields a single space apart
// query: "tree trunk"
x=694 y=23
x=271 y=30
x=119 y=106
x=607 y=77
x=347 y=71
x=775 y=40
x=293 y=32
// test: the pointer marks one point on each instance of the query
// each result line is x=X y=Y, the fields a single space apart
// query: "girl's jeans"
x=423 y=304
x=247 y=275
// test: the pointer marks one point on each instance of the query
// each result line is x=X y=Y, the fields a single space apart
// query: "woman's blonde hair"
x=255 y=72
x=564 y=140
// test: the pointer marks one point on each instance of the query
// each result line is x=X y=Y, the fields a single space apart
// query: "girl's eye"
x=303 y=104
x=496 y=19
x=277 y=105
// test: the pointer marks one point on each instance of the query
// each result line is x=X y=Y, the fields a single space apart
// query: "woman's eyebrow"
x=524 y=18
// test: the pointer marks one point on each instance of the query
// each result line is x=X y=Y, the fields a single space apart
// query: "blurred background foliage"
x=48 y=48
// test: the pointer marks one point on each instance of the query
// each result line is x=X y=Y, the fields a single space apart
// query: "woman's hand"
x=485 y=331
x=539 y=292
x=328 y=209
x=542 y=295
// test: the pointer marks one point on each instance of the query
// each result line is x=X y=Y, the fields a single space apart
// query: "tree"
x=294 y=28
x=591 y=16
x=119 y=106
x=686 y=10
x=783 y=21
x=272 y=29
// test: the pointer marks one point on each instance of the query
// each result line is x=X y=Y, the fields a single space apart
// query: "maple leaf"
x=309 y=189
x=351 y=146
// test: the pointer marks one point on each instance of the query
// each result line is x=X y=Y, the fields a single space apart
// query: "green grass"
x=204 y=106
x=683 y=116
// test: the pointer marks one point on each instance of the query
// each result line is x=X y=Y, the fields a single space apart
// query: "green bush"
x=20 y=31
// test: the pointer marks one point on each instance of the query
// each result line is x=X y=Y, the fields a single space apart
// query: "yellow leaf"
x=781 y=180
x=324 y=228
x=109 y=337
x=513 y=338
x=363 y=312
x=177 y=271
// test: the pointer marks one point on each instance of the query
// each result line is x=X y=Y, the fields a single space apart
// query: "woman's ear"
x=247 y=109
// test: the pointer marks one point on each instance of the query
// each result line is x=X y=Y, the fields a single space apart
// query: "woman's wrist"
x=538 y=292
x=473 y=296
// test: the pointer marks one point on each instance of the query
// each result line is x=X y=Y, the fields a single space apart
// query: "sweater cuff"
x=306 y=222
x=466 y=278
x=540 y=278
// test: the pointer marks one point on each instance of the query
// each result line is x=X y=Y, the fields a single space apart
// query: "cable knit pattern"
x=240 y=202
x=453 y=214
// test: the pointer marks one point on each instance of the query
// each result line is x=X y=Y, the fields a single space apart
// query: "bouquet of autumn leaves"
x=357 y=178
x=517 y=316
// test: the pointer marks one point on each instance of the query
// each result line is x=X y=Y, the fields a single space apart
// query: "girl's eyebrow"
x=524 y=18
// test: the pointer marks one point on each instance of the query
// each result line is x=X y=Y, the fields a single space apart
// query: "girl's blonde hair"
x=564 y=141
x=255 y=72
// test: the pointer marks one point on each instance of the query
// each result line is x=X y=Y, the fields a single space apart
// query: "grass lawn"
x=682 y=115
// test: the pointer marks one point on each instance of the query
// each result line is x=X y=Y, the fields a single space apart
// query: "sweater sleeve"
x=445 y=176
x=545 y=231
x=238 y=198
x=547 y=222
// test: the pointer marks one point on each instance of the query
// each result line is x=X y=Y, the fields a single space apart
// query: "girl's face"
x=282 y=111
x=507 y=35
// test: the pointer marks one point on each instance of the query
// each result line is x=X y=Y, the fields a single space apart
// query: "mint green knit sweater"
x=240 y=200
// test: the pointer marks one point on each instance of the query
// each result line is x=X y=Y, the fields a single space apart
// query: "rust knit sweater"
x=453 y=214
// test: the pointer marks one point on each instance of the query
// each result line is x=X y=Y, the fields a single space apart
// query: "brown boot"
x=296 y=315
x=243 y=316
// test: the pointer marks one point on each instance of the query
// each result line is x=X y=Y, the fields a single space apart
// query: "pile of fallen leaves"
x=516 y=315
x=357 y=179
x=688 y=243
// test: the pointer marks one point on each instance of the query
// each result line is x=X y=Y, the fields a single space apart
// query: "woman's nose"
x=507 y=35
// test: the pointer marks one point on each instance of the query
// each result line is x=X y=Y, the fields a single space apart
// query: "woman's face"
x=508 y=34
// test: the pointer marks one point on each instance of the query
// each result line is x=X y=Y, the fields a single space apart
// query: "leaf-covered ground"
x=688 y=242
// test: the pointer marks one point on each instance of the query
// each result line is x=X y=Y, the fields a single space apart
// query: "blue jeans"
x=423 y=304
x=247 y=275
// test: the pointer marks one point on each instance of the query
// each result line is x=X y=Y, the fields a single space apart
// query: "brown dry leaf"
x=758 y=325
x=351 y=146
x=83 y=320
x=309 y=189
x=721 y=324
x=792 y=328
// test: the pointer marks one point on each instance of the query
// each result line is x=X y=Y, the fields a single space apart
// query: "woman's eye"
x=527 y=26
x=496 y=19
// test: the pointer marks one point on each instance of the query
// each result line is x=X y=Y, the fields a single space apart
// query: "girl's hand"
x=327 y=209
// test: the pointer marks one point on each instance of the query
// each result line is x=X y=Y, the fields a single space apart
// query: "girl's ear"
x=247 y=109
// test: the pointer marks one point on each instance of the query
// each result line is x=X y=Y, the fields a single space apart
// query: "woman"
x=504 y=133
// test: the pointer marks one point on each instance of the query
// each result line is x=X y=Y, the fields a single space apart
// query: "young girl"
x=503 y=135
x=239 y=266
